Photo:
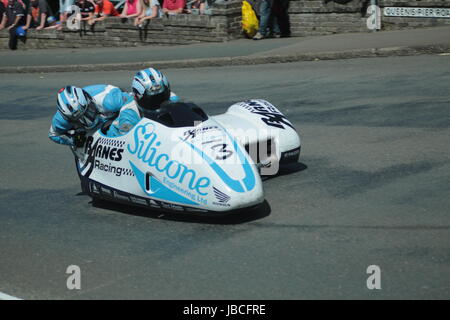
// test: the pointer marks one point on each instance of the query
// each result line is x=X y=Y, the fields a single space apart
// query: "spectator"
x=39 y=15
x=173 y=6
x=64 y=10
x=103 y=9
x=199 y=6
x=280 y=19
x=149 y=9
x=86 y=9
x=14 y=20
x=2 y=13
x=131 y=9
x=264 y=13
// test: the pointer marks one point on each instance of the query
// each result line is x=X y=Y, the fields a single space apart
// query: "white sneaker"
x=258 y=36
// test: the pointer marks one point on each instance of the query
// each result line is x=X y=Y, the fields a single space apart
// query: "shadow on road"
x=288 y=169
x=235 y=217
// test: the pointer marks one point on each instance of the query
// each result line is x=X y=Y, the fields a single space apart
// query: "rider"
x=83 y=109
x=150 y=89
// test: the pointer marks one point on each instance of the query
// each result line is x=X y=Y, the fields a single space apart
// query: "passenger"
x=85 y=109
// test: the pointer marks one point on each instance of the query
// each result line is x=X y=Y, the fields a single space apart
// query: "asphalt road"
x=373 y=189
x=422 y=40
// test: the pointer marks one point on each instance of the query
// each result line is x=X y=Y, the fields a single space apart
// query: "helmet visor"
x=89 y=117
x=153 y=101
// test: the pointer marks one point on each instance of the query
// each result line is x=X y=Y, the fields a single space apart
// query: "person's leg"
x=12 y=39
x=283 y=18
x=265 y=10
x=273 y=20
x=274 y=26
x=62 y=16
x=264 y=14
x=65 y=7
x=12 y=44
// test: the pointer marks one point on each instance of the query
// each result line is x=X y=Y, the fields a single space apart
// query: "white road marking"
x=4 y=296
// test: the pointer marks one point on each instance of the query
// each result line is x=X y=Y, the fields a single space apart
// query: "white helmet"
x=77 y=106
x=150 y=88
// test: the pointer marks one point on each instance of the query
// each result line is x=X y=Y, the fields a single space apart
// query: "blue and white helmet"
x=150 y=88
x=77 y=106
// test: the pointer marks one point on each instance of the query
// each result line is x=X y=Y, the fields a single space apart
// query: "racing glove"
x=79 y=139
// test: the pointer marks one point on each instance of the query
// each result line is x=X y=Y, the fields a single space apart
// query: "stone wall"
x=222 y=25
x=307 y=17
x=311 y=17
x=314 y=17
x=395 y=23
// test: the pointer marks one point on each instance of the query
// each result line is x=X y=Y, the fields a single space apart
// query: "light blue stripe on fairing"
x=249 y=179
x=236 y=185
x=232 y=183
x=159 y=191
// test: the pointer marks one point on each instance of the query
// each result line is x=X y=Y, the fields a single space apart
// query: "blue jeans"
x=274 y=26
x=265 y=11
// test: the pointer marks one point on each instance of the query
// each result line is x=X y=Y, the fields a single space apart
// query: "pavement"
x=372 y=188
x=236 y=52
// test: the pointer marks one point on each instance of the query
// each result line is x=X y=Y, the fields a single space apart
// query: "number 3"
x=222 y=148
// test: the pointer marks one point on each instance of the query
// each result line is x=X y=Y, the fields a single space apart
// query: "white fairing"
x=200 y=168
x=255 y=121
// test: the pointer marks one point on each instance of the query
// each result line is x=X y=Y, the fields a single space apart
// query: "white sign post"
x=416 y=12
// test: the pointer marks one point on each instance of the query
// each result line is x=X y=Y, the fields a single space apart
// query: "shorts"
x=65 y=5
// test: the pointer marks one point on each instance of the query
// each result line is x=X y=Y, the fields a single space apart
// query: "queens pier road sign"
x=416 y=12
